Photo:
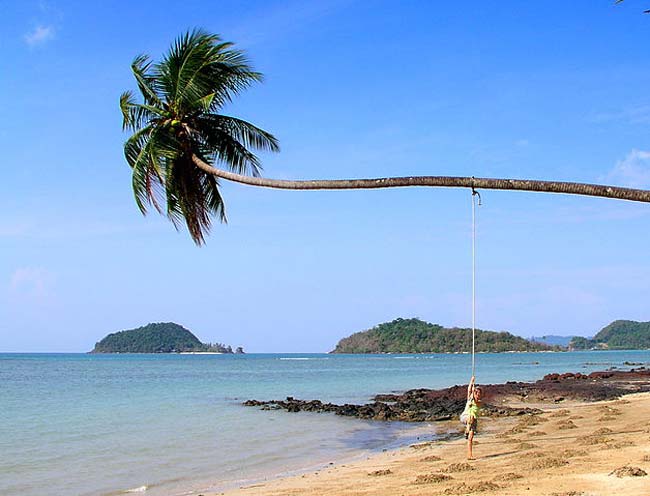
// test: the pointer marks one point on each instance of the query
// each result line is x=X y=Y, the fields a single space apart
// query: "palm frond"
x=147 y=83
x=191 y=60
x=219 y=146
x=136 y=115
x=232 y=70
x=205 y=102
x=248 y=134
x=147 y=178
x=129 y=120
x=193 y=196
x=185 y=56
x=200 y=64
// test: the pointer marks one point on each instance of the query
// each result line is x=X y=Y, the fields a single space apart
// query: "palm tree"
x=179 y=136
x=178 y=122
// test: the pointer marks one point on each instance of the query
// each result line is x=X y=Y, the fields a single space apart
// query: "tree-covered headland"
x=619 y=335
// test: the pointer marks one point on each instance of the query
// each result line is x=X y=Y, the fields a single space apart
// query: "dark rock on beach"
x=411 y=408
x=427 y=405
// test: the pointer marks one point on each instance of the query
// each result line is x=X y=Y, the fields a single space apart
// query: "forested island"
x=162 y=337
x=418 y=336
x=619 y=335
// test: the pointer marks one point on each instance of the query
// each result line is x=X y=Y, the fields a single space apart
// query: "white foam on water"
x=140 y=489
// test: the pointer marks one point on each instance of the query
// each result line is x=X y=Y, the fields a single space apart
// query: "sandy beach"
x=572 y=449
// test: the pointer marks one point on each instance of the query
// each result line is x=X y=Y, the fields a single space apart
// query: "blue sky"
x=549 y=90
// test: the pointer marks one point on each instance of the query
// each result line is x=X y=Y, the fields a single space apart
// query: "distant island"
x=418 y=336
x=619 y=335
x=162 y=337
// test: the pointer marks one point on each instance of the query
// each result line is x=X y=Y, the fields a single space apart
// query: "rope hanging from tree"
x=476 y=201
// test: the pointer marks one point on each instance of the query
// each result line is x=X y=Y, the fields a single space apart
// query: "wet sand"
x=572 y=449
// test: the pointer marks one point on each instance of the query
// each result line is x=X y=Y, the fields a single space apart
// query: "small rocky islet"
x=430 y=405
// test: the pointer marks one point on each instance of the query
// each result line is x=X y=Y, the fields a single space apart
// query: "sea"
x=104 y=425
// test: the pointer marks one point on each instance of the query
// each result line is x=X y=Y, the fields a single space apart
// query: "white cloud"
x=633 y=171
x=39 y=35
x=29 y=280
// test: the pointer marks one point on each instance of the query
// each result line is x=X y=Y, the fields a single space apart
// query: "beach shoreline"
x=223 y=445
x=574 y=447
x=408 y=434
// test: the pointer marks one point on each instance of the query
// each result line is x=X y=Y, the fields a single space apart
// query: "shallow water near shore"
x=80 y=424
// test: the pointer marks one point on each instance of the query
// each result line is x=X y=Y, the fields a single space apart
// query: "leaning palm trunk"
x=179 y=132
x=605 y=191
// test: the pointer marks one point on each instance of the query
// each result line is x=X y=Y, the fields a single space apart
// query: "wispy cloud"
x=38 y=228
x=639 y=114
x=12 y=229
x=633 y=171
x=31 y=283
x=39 y=35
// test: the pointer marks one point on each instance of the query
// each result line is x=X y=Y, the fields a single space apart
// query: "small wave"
x=140 y=489
x=119 y=492
x=302 y=358
x=404 y=358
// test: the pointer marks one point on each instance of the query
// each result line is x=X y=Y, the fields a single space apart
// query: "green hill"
x=417 y=336
x=163 y=337
x=619 y=335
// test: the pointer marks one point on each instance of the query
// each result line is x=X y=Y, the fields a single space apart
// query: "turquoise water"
x=77 y=424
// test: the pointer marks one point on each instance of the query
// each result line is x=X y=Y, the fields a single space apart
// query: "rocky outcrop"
x=413 y=406
x=430 y=405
